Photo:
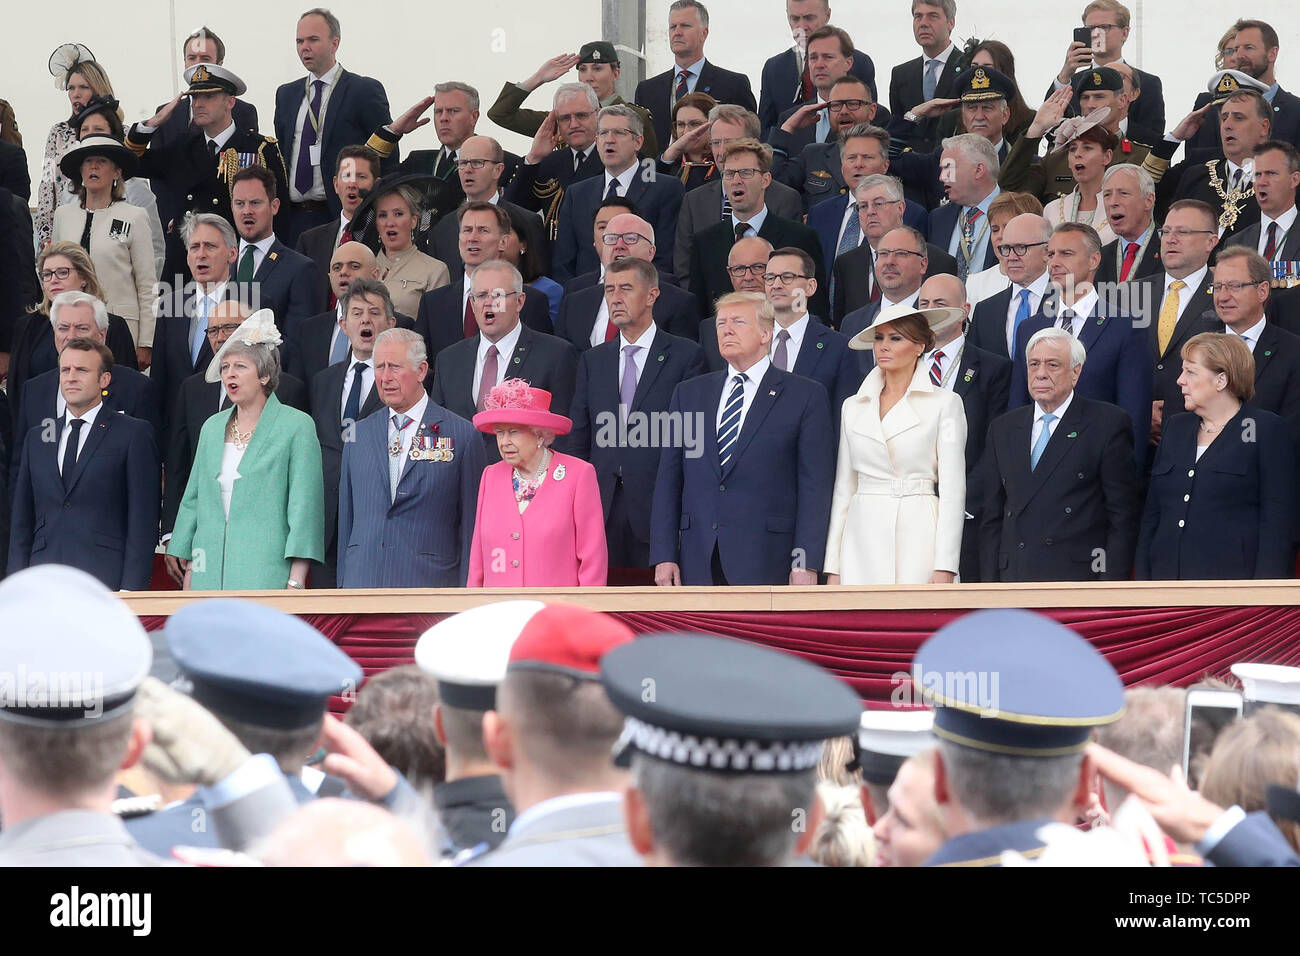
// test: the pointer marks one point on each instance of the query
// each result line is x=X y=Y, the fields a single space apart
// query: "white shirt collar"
x=1232 y=171
x=331 y=75
x=1059 y=413
x=949 y=350
x=693 y=69
x=942 y=57
x=1084 y=306
x=1193 y=281
x=1284 y=223
x=566 y=802
x=1253 y=333
x=262 y=245
x=755 y=221
x=353 y=361
x=505 y=346
x=886 y=302
x=89 y=417
x=624 y=178
x=1038 y=287
x=644 y=341
x=796 y=330
x=415 y=413
x=755 y=372
x=222 y=138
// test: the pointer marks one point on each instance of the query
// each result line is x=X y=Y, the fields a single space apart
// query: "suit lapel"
x=960 y=383
x=810 y=349
x=1264 y=349
x=769 y=390
x=1067 y=432
x=518 y=363
x=654 y=364
x=1291 y=247
x=103 y=421
x=269 y=262
x=1093 y=325
x=412 y=470
x=265 y=427
x=711 y=418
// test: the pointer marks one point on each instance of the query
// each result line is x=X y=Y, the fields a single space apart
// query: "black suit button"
x=1160 y=367
x=67 y=505
x=1081 y=476
x=1067 y=511
x=1048 y=542
x=722 y=487
x=1021 y=545
x=1008 y=514
x=715 y=526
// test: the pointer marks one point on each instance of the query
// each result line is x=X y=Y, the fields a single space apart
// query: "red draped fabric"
x=870 y=649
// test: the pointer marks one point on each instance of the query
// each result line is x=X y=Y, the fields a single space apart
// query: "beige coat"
x=124 y=263
x=888 y=525
x=412 y=276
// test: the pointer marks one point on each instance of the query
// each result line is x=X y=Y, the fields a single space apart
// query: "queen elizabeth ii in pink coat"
x=540 y=522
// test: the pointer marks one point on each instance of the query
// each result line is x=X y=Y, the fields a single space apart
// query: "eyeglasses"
x=473 y=163
x=229 y=329
x=493 y=294
x=631 y=238
x=1104 y=27
x=877 y=204
x=619 y=133
x=1233 y=287
x=1181 y=234
x=785 y=278
x=839 y=106
x=567 y=118
x=899 y=253
x=688 y=124
x=738 y=272
x=745 y=174
x=1020 y=248
x=61 y=273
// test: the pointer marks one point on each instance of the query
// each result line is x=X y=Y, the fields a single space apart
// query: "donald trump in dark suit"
x=749 y=501
x=408 y=488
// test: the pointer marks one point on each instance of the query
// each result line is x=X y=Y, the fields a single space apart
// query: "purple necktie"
x=489 y=379
x=627 y=391
x=781 y=357
x=303 y=179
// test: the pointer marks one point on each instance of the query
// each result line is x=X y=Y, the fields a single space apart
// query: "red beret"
x=567 y=639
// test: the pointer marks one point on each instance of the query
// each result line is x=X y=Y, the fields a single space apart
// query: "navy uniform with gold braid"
x=196 y=181
x=1052 y=688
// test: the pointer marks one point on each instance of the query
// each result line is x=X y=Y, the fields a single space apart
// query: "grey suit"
x=73 y=838
x=703 y=207
x=590 y=834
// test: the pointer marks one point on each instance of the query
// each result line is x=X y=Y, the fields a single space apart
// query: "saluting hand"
x=1190 y=124
x=410 y=121
x=934 y=107
x=1178 y=810
x=544 y=142
x=684 y=145
x=804 y=117
x=1051 y=112
x=552 y=69
x=163 y=114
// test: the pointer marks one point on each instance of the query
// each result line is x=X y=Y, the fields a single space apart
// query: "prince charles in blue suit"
x=408 y=489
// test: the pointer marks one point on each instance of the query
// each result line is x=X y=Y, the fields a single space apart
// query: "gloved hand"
x=189 y=744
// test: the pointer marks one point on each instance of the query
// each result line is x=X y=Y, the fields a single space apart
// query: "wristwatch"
x=911 y=117
x=295 y=585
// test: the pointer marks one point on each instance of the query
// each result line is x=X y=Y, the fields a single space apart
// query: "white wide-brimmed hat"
x=939 y=319
x=258 y=329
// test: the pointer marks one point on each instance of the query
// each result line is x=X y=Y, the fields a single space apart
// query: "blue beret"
x=1014 y=682
x=258 y=665
x=713 y=703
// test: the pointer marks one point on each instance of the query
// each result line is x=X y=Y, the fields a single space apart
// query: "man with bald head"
x=902 y=259
x=746 y=266
x=1024 y=259
x=198 y=401
x=583 y=318
x=983 y=380
x=481 y=166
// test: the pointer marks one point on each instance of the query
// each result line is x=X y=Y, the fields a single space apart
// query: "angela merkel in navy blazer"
x=1229 y=515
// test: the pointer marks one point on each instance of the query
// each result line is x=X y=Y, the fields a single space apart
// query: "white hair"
x=977 y=149
x=416 y=352
x=77 y=297
x=892 y=184
x=576 y=89
x=1145 y=182
x=1077 y=352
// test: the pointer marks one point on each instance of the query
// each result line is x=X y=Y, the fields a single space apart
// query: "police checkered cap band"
x=712 y=753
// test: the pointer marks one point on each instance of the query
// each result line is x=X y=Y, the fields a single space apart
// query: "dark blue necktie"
x=352 y=407
x=70 y=451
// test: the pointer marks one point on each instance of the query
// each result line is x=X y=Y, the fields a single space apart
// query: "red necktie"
x=471 y=323
x=1130 y=257
x=935 y=377
x=805 y=83
x=682 y=88
x=1270 y=249
x=611 y=330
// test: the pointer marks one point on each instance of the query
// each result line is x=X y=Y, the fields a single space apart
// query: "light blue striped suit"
x=421 y=537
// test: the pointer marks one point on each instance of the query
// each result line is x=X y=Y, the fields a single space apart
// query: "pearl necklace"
x=526 y=488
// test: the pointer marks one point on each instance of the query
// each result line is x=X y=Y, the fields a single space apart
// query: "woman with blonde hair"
x=75 y=70
x=116 y=233
x=403 y=268
x=1251 y=755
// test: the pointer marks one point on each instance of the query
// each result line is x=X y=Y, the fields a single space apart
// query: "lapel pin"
x=558 y=474
x=274 y=256
x=821 y=345
x=516 y=360
x=970 y=374
x=661 y=358
x=772 y=392
x=1267 y=353
x=1072 y=435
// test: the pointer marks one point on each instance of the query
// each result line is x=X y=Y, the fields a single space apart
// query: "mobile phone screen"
x=1205 y=721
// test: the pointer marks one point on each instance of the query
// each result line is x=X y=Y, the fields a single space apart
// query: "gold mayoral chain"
x=1233 y=199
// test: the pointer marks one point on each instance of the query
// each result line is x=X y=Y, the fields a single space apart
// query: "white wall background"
x=411 y=44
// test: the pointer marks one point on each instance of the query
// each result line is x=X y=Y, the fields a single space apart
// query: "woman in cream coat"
x=117 y=236
x=900 y=482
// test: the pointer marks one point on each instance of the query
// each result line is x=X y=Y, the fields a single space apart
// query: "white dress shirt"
x=982 y=232
x=1252 y=334
x=887 y=303
x=644 y=343
x=1037 y=289
x=89 y=418
x=943 y=64
x=221 y=139
x=797 y=329
x=950 y=353
x=1037 y=428
x=199 y=321
x=851 y=209
x=754 y=375
x=505 y=349
x=1082 y=308
x=396 y=465
x=330 y=79
x=338 y=329
x=691 y=80
x=624 y=179
x=367 y=382
x=1285 y=222
x=755 y=222
x=1193 y=282
x=260 y=249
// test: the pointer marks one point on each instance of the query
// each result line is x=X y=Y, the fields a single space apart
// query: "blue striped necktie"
x=729 y=429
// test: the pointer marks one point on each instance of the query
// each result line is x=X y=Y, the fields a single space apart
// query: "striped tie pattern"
x=936 y=368
x=729 y=428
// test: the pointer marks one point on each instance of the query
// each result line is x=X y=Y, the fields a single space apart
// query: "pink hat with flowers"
x=515 y=402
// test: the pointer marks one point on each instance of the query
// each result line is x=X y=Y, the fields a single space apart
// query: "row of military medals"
x=424 y=447
x=1285 y=274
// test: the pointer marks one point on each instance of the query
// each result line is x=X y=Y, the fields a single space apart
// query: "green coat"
x=276 y=508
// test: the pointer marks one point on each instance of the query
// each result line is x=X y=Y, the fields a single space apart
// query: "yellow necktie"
x=1169 y=314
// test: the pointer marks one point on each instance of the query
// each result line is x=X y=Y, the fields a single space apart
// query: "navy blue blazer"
x=1255 y=841
x=658 y=200
x=172 y=363
x=943 y=220
x=441 y=317
x=129 y=392
x=595 y=412
x=656 y=95
x=780 y=88
x=825 y=219
x=103 y=518
x=1118 y=368
x=419 y=538
x=709 y=280
x=286 y=282
x=988 y=322
x=767 y=512
x=676 y=311
x=824 y=356
x=357 y=106
x=1229 y=515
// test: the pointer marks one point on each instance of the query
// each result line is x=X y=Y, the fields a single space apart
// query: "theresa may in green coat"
x=276 y=492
